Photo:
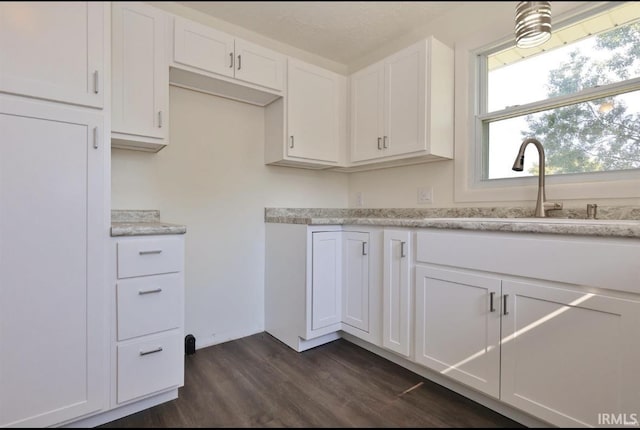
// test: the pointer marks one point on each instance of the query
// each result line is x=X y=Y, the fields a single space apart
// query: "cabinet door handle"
x=504 y=305
x=291 y=143
x=95 y=137
x=379 y=143
x=402 y=253
x=96 y=82
x=142 y=293
x=153 y=351
x=159 y=119
x=364 y=248
x=231 y=60
x=239 y=62
x=155 y=251
x=384 y=144
x=491 y=307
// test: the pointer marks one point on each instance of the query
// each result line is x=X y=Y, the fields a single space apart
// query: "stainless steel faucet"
x=542 y=206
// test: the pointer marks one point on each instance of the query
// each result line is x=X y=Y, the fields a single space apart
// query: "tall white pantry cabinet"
x=54 y=211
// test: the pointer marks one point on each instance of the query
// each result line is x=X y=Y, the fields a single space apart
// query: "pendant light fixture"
x=533 y=23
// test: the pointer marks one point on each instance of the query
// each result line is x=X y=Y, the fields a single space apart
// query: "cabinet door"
x=396 y=287
x=405 y=119
x=568 y=356
x=326 y=287
x=458 y=326
x=355 y=285
x=52 y=280
x=367 y=98
x=203 y=47
x=258 y=65
x=53 y=50
x=313 y=109
x=140 y=70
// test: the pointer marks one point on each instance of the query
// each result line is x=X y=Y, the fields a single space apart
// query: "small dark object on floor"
x=189 y=344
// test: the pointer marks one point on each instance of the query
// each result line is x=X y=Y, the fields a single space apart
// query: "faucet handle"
x=552 y=206
x=592 y=208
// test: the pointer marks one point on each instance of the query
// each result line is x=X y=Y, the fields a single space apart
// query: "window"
x=579 y=94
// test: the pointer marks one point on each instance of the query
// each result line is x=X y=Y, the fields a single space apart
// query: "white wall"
x=212 y=178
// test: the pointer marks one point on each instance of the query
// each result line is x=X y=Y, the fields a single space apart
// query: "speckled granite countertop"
x=141 y=223
x=621 y=221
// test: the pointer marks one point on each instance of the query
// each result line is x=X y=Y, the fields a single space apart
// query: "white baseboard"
x=123 y=411
x=203 y=342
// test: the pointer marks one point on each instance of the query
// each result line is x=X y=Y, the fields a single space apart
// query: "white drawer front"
x=149 y=365
x=150 y=257
x=149 y=305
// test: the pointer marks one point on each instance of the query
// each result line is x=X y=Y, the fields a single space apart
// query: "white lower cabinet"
x=458 y=326
x=355 y=281
x=326 y=283
x=149 y=313
x=569 y=355
x=396 y=289
x=318 y=282
x=563 y=352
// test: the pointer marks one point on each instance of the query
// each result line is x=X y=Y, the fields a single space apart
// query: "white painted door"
x=458 y=326
x=203 y=47
x=326 y=287
x=140 y=70
x=53 y=50
x=258 y=65
x=568 y=356
x=52 y=280
x=355 y=284
x=367 y=113
x=313 y=109
x=405 y=119
x=396 y=288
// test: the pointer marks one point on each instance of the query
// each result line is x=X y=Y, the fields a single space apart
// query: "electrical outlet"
x=425 y=195
x=359 y=201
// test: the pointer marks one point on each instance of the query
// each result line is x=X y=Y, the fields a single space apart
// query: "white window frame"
x=470 y=186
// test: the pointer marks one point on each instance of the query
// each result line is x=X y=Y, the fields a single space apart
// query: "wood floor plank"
x=257 y=381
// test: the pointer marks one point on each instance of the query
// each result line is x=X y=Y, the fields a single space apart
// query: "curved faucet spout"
x=541 y=205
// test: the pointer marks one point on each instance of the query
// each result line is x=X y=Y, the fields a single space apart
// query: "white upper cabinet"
x=140 y=77
x=314 y=97
x=367 y=113
x=213 y=51
x=53 y=51
x=402 y=107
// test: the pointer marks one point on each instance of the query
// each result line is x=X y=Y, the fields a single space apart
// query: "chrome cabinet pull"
x=153 y=351
x=96 y=82
x=159 y=119
x=402 y=253
x=384 y=144
x=504 y=305
x=491 y=307
x=155 y=251
x=364 y=248
x=231 y=60
x=379 y=143
x=142 y=293
x=95 y=137
x=291 y=143
x=239 y=62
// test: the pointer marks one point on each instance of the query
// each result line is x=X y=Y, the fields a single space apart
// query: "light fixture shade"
x=533 y=23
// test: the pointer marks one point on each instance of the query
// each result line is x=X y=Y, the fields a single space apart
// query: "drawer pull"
x=157 y=290
x=155 y=251
x=153 y=351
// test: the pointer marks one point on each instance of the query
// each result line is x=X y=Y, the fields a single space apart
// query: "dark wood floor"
x=258 y=381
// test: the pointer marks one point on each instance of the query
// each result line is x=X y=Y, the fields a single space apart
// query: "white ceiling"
x=341 y=31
